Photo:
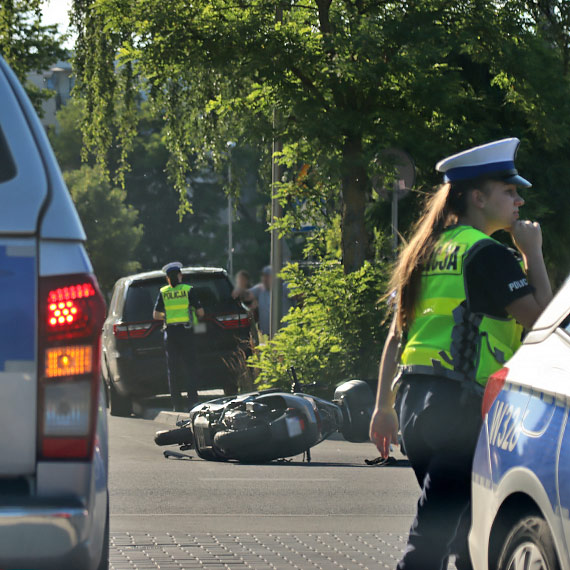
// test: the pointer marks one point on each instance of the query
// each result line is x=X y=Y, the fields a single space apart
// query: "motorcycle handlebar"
x=299 y=387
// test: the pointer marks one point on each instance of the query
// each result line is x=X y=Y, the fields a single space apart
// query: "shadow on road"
x=293 y=463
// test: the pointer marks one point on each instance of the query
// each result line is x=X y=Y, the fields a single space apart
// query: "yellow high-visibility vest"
x=445 y=337
x=177 y=304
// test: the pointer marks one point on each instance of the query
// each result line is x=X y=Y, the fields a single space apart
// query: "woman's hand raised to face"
x=527 y=236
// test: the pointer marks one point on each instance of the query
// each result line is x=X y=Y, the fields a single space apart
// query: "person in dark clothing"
x=180 y=309
x=462 y=300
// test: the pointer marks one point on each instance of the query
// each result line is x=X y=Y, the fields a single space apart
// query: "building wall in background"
x=57 y=78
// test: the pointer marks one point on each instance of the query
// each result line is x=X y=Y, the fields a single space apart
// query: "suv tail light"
x=71 y=314
x=134 y=330
x=233 y=321
x=494 y=386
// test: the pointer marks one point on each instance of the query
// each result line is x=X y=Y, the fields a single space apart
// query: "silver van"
x=54 y=505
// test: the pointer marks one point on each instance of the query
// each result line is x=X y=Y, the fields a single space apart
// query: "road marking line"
x=271 y=479
x=239 y=515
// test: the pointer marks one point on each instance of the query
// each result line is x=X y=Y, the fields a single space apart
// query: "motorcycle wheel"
x=178 y=436
x=252 y=445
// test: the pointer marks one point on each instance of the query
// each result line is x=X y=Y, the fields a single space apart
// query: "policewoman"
x=180 y=309
x=462 y=302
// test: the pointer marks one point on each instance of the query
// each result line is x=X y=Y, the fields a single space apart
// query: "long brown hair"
x=441 y=209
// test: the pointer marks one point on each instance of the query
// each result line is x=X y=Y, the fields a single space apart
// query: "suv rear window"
x=214 y=292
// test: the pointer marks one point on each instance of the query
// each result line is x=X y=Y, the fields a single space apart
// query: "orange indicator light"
x=68 y=361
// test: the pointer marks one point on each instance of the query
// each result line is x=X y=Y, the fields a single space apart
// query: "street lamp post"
x=276 y=298
x=230 y=146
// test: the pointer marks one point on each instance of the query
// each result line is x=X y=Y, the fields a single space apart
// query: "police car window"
x=7 y=166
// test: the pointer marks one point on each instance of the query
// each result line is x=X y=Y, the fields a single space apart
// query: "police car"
x=54 y=507
x=521 y=468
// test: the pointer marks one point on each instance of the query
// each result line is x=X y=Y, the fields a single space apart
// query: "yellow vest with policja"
x=177 y=305
x=446 y=338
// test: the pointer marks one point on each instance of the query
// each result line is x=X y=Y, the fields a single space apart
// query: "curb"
x=148 y=410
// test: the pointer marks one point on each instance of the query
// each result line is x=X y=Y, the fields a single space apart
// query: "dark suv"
x=133 y=363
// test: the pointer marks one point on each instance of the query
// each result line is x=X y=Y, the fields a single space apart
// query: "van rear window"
x=214 y=293
x=7 y=166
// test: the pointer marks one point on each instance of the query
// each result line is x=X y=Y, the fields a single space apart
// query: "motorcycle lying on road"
x=272 y=424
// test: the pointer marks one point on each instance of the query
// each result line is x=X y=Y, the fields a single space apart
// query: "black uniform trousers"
x=181 y=362
x=440 y=421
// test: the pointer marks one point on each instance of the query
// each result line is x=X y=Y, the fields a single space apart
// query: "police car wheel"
x=529 y=545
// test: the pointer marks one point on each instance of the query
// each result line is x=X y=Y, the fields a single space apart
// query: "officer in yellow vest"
x=462 y=300
x=179 y=308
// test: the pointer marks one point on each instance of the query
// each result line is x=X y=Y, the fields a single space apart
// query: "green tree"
x=199 y=238
x=335 y=333
x=27 y=44
x=67 y=140
x=110 y=224
x=345 y=79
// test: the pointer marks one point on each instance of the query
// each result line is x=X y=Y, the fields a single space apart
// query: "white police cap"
x=174 y=266
x=493 y=160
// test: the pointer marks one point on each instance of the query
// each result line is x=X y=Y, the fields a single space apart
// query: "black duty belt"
x=187 y=326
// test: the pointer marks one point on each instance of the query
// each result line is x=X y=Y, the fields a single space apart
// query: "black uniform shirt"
x=192 y=299
x=494 y=279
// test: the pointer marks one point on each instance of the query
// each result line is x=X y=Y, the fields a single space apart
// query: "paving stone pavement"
x=257 y=551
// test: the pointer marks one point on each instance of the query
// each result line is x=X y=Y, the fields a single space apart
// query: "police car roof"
x=185 y=271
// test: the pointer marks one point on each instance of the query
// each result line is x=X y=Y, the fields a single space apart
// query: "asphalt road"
x=337 y=491
x=192 y=513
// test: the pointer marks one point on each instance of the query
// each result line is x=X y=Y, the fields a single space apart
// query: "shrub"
x=335 y=333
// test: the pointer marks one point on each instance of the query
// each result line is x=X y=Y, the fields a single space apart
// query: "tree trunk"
x=354 y=180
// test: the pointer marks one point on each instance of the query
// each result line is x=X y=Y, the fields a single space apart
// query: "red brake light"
x=79 y=291
x=72 y=311
x=121 y=331
x=64 y=448
x=134 y=330
x=494 y=386
x=68 y=311
x=233 y=321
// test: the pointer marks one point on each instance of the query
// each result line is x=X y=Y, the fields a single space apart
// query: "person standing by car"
x=179 y=308
x=243 y=284
x=462 y=300
x=261 y=295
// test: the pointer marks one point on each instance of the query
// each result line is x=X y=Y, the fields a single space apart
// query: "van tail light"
x=121 y=331
x=233 y=321
x=72 y=311
x=134 y=330
x=494 y=386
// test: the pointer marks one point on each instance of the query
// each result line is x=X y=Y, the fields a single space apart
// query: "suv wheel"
x=105 y=391
x=529 y=545
x=120 y=405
